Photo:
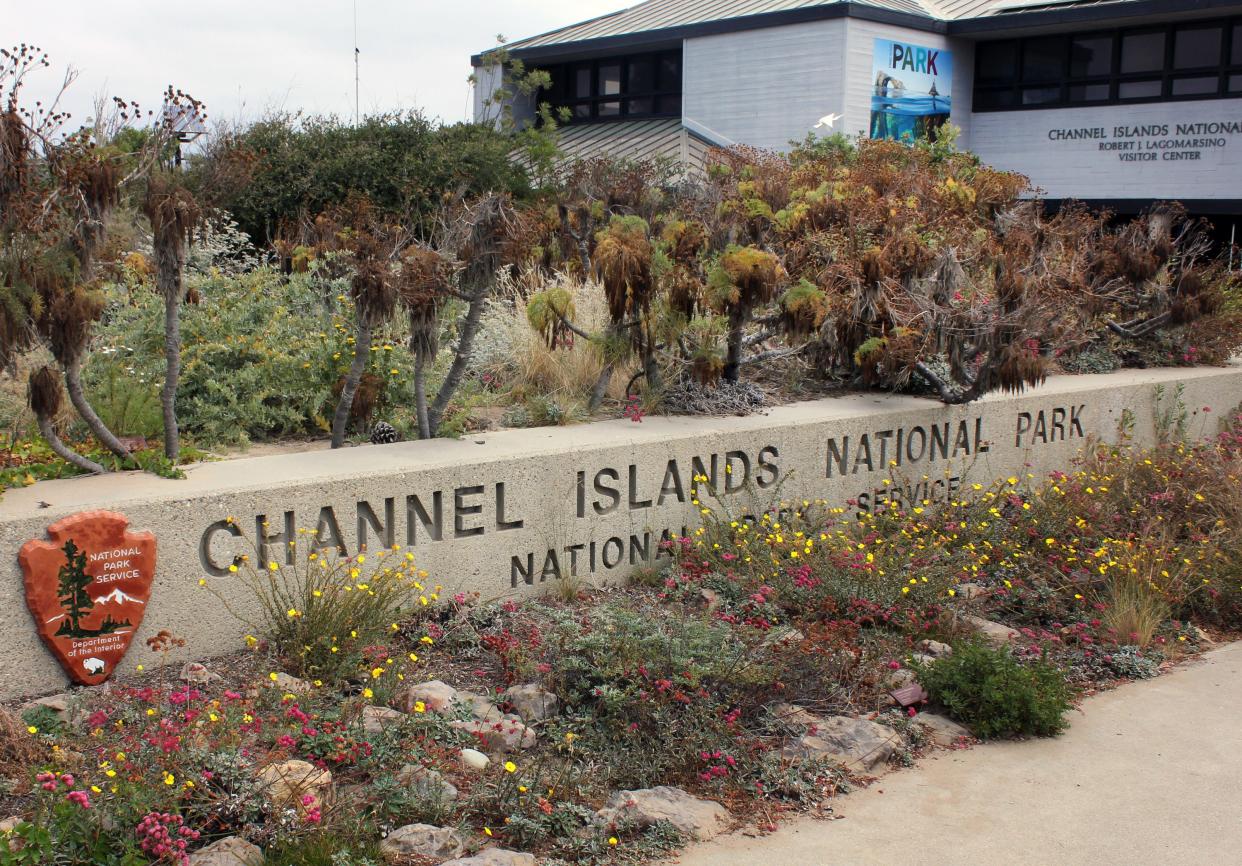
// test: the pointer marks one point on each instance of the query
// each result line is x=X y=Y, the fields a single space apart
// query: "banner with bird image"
x=912 y=90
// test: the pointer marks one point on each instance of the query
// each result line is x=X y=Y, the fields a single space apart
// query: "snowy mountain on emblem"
x=116 y=597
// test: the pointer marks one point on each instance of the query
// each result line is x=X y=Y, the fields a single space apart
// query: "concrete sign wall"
x=512 y=512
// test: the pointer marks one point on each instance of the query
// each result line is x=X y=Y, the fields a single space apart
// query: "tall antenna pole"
x=356 y=69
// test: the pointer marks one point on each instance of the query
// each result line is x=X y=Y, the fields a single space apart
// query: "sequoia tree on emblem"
x=87 y=589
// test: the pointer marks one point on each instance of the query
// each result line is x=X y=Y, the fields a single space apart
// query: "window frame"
x=1009 y=94
x=563 y=93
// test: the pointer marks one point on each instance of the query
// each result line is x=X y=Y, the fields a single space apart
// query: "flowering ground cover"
x=375 y=717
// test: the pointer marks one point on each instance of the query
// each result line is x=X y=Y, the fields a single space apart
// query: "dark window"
x=1197 y=47
x=1195 y=86
x=1139 y=89
x=1187 y=61
x=640 y=85
x=996 y=61
x=1142 y=52
x=1043 y=59
x=1088 y=92
x=1091 y=56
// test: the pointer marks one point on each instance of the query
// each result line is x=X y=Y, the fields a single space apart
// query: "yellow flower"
x=420 y=707
x=376 y=672
x=202 y=581
x=487 y=830
x=612 y=840
x=32 y=730
x=170 y=779
x=510 y=767
x=273 y=676
x=368 y=694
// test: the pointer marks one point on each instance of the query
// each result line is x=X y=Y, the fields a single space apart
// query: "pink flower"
x=82 y=798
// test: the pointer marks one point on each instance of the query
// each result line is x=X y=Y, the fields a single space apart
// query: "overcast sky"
x=243 y=57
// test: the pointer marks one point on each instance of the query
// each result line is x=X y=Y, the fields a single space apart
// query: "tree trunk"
x=73 y=384
x=362 y=355
x=64 y=451
x=733 y=360
x=420 y=397
x=465 y=346
x=172 y=370
x=601 y=387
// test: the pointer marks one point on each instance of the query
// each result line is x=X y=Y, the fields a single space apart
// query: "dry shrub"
x=20 y=754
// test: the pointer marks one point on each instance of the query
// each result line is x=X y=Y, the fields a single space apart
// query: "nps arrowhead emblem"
x=87 y=589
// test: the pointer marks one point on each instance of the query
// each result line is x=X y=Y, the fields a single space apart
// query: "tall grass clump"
x=320 y=611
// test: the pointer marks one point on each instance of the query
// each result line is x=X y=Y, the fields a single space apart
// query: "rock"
x=473 y=759
x=427 y=783
x=289 y=784
x=230 y=851
x=376 y=719
x=64 y=705
x=494 y=857
x=943 y=731
x=435 y=696
x=936 y=649
x=708 y=599
x=923 y=658
x=701 y=819
x=795 y=716
x=859 y=744
x=970 y=591
x=899 y=678
x=993 y=632
x=532 y=702
x=505 y=735
x=422 y=840
x=481 y=707
x=1201 y=636
x=197 y=674
x=286 y=685
x=7 y=826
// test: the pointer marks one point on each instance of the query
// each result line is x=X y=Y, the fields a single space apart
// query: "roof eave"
x=667 y=36
x=1017 y=20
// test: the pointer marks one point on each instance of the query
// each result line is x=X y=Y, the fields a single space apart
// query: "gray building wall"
x=1031 y=142
x=764 y=87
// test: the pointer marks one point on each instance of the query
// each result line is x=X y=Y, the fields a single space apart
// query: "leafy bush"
x=403 y=162
x=996 y=695
x=262 y=359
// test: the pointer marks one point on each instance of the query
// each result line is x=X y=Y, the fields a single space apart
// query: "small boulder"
x=899 y=678
x=286 y=685
x=532 y=702
x=229 y=851
x=196 y=673
x=504 y=735
x=495 y=857
x=701 y=819
x=859 y=744
x=422 y=840
x=434 y=695
x=970 y=591
x=7 y=826
x=296 y=784
x=376 y=719
x=1201 y=637
x=64 y=706
x=943 y=731
x=473 y=759
x=935 y=649
x=993 y=632
x=708 y=599
x=427 y=783
x=480 y=706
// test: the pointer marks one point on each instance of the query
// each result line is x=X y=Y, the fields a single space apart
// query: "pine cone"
x=384 y=433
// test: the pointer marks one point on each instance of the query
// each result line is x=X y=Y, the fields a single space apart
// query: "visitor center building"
x=1115 y=102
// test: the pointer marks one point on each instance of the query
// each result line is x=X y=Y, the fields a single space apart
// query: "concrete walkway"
x=1150 y=773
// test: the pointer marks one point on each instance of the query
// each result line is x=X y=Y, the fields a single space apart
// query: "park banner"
x=913 y=90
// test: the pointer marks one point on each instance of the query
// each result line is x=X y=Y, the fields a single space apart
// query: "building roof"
x=670 y=21
x=640 y=140
x=666 y=14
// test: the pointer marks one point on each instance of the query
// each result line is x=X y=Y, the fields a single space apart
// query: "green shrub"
x=993 y=693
